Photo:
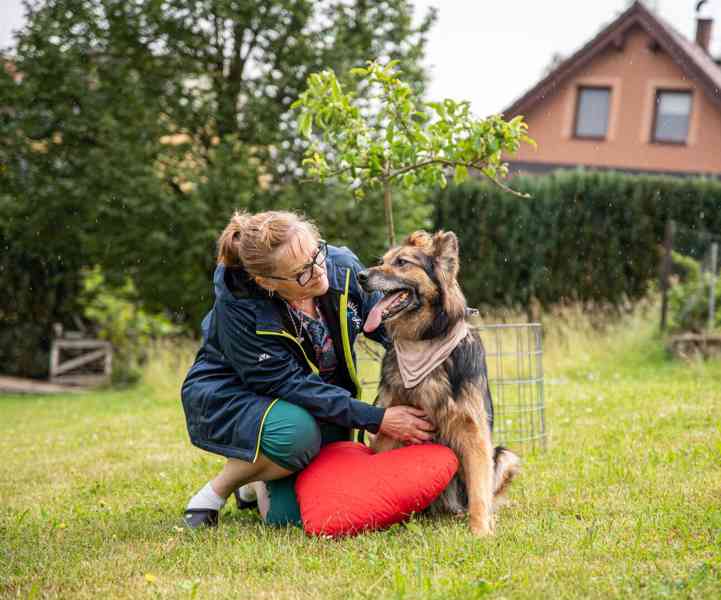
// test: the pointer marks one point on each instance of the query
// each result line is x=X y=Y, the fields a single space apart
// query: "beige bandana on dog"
x=416 y=359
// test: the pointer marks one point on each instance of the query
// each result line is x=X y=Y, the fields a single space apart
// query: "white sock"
x=207 y=498
x=247 y=492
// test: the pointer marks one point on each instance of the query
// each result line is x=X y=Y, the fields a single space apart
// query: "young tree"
x=392 y=136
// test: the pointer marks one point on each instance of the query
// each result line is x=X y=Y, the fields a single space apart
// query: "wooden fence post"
x=665 y=271
x=712 y=287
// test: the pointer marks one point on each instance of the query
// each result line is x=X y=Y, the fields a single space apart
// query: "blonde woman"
x=275 y=377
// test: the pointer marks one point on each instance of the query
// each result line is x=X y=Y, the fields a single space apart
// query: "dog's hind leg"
x=452 y=501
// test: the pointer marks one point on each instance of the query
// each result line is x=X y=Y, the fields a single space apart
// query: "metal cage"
x=514 y=357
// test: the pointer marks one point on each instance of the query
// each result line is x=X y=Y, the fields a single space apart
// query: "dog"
x=437 y=363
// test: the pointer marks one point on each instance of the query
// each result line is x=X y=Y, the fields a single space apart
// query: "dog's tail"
x=506 y=465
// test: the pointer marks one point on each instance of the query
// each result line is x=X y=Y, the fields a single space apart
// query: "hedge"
x=582 y=236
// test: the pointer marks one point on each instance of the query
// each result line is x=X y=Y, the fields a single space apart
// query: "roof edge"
x=636 y=14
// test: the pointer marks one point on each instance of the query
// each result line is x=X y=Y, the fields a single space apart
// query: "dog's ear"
x=420 y=239
x=445 y=253
x=445 y=259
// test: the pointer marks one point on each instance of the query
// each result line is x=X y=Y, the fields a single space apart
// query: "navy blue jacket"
x=249 y=359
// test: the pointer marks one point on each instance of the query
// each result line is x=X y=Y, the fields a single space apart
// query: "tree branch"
x=425 y=163
x=175 y=187
x=453 y=163
x=336 y=173
x=505 y=188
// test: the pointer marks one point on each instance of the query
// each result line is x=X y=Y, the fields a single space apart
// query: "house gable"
x=631 y=60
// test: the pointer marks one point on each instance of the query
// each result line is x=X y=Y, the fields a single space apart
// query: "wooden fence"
x=91 y=362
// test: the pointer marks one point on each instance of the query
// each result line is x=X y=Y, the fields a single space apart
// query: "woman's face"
x=292 y=260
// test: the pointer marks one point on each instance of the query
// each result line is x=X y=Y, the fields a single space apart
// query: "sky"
x=491 y=51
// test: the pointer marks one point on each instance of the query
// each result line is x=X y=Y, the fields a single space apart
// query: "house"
x=638 y=97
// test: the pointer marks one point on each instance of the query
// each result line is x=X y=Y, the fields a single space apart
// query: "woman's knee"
x=308 y=438
x=291 y=437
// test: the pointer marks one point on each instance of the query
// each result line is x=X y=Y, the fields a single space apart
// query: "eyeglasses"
x=306 y=274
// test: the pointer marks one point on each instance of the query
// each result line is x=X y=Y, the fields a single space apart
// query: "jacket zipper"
x=343 y=310
x=313 y=368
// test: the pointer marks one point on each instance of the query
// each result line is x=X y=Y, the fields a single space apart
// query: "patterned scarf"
x=416 y=359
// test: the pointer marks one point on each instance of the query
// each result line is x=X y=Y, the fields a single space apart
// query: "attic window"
x=592 y=112
x=673 y=110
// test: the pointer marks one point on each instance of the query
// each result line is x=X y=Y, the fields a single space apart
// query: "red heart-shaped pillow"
x=347 y=489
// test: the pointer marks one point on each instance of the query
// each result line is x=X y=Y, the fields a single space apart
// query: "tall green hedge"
x=587 y=236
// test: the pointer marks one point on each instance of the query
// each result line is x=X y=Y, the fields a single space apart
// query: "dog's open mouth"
x=393 y=303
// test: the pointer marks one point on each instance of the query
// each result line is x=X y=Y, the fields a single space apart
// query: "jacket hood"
x=234 y=282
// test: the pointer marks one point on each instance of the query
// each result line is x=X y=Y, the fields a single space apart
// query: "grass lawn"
x=625 y=503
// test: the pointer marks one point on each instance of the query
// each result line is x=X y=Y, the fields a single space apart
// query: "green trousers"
x=291 y=438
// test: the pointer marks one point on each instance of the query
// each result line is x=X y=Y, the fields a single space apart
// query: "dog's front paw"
x=481 y=527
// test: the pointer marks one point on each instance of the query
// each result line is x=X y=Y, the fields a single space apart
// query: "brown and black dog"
x=423 y=301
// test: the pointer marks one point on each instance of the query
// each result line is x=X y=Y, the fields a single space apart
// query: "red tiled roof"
x=690 y=57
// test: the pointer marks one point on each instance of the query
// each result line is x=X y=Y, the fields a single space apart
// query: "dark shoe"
x=242 y=504
x=196 y=518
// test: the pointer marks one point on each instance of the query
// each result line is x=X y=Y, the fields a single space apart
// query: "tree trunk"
x=388 y=207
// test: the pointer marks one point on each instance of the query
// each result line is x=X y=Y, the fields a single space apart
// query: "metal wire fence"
x=514 y=357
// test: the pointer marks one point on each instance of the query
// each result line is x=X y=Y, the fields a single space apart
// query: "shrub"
x=583 y=236
x=117 y=317
x=689 y=298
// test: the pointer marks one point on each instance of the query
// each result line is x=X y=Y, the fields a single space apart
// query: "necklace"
x=298 y=329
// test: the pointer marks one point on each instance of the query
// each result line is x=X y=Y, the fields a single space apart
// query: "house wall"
x=633 y=74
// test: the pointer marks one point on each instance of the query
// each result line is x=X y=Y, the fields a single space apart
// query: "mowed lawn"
x=625 y=503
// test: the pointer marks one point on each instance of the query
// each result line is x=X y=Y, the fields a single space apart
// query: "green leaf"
x=530 y=141
x=460 y=174
x=305 y=124
x=439 y=108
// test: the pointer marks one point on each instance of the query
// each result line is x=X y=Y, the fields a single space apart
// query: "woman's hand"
x=407 y=424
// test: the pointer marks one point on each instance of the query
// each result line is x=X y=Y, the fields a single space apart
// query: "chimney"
x=703 y=33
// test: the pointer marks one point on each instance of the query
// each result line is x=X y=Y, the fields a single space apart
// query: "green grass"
x=625 y=503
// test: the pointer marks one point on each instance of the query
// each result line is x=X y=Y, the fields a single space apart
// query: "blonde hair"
x=252 y=241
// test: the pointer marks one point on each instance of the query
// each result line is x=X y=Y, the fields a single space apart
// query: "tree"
x=136 y=128
x=393 y=136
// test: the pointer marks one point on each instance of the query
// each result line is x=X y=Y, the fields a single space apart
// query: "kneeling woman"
x=275 y=378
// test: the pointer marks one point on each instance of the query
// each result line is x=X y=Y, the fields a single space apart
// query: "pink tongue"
x=376 y=314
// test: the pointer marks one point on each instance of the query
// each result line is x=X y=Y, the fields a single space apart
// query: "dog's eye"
x=400 y=262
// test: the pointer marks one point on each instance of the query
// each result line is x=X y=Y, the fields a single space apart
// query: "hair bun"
x=251 y=240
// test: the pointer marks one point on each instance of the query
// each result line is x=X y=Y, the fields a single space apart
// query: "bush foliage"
x=118 y=318
x=689 y=298
x=583 y=236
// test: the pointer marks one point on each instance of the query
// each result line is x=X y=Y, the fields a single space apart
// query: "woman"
x=275 y=377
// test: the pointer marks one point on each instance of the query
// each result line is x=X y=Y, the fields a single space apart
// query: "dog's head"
x=421 y=296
